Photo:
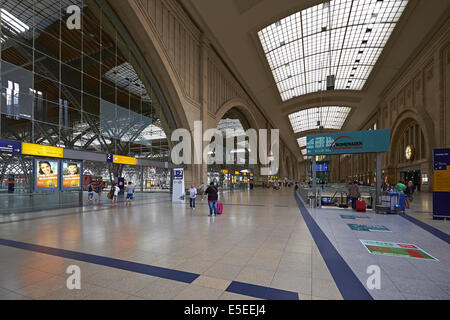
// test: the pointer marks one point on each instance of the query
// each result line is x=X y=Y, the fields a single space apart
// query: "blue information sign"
x=441 y=183
x=109 y=158
x=370 y=141
x=178 y=174
x=8 y=146
x=321 y=166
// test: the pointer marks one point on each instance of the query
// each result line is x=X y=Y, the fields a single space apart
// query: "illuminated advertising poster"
x=71 y=175
x=47 y=174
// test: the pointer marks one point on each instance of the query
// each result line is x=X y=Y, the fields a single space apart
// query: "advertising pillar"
x=11 y=183
x=178 y=193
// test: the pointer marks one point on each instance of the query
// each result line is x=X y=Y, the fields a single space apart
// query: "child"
x=90 y=193
x=116 y=194
x=192 y=196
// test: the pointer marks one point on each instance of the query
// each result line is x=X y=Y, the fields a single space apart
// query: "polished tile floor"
x=260 y=244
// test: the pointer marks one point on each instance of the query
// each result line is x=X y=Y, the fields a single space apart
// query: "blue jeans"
x=354 y=203
x=192 y=202
x=212 y=207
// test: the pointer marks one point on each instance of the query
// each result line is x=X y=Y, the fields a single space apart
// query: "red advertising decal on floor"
x=415 y=254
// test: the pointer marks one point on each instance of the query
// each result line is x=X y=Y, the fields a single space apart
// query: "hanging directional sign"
x=348 y=142
x=8 y=146
x=41 y=150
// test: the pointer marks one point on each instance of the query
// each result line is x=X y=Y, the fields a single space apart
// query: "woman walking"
x=213 y=196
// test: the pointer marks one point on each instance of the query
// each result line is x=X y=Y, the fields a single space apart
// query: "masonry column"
x=202 y=169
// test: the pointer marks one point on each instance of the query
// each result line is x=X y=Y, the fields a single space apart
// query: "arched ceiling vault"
x=232 y=28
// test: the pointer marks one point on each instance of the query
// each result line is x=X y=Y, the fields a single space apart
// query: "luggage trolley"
x=391 y=203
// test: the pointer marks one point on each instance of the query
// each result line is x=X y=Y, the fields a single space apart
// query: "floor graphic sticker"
x=363 y=227
x=396 y=249
x=346 y=216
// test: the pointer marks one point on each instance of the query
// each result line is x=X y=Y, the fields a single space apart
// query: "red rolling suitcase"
x=360 y=205
x=219 y=207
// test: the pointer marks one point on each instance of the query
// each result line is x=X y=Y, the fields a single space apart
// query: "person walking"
x=354 y=193
x=130 y=193
x=192 y=197
x=202 y=190
x=98 y=191
x=213 y=197
x=409 y=191
x=116 y=191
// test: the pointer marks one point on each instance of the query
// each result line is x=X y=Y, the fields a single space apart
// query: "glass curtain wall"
x=79 y=89
x=73 y=86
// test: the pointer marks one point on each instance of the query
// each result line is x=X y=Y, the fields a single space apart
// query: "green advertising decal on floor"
x=396 y=249
x=363 y=227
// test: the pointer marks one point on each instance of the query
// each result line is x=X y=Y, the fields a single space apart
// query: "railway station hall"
x=224 y=150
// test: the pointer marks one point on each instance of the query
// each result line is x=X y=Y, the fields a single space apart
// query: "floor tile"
x=211 y=282
x=162 y=289
x=193 y=292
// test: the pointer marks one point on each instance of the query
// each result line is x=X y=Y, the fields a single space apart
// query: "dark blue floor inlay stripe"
x=182 y=276
x=261 y=292
x=176 y=275
x=346 y=281
x=436 y=232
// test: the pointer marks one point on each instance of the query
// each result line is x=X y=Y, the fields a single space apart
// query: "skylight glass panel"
x=302 y=142
x=13 y=22
x=124 y=76
x=331 y=38
x=330 y=117
x=231 y=124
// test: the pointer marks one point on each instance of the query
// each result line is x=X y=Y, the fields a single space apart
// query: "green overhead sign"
x=370 y=141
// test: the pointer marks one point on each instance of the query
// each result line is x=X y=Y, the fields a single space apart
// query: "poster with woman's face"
x=47 y=174
x=71 y=174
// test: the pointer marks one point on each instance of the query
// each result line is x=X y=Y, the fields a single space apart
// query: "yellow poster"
x=442 y=180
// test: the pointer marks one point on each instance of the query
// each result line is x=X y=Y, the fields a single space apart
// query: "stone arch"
x=242 y=106
x=399 y=126
x=152 y=50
